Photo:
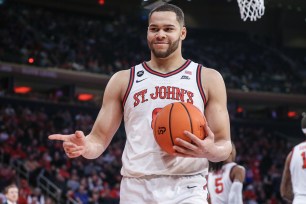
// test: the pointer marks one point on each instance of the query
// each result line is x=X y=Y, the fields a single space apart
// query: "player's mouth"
x=160 y=43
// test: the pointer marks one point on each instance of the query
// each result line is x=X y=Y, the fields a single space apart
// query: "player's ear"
x=183 y=33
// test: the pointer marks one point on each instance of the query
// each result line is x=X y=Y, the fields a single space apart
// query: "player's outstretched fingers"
x=79 y=134
x=69 y=155
x=73 y=154
x=72 y=150
x=59 y=137
x=68 y=146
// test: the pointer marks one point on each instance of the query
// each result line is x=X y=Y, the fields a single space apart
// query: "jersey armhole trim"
x=231 y=172
x=199 y=83
x=128 y=89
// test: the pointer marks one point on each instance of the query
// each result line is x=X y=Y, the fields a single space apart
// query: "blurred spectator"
x=2 y=198
x=82 y=195
x=36 y=197
x=7 y=175
x=100 y=178
x=246 y=64
x=11 y=193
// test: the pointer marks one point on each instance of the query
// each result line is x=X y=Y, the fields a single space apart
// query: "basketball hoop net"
x=252 y=9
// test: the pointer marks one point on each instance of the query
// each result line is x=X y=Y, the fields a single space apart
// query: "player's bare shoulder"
x=238 y=173
x=120 y=81
x=211 y=75
x=122 y=76
x=212 y=80
x=239 y=169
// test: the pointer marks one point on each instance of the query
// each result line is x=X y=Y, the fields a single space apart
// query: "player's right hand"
x=74 y=144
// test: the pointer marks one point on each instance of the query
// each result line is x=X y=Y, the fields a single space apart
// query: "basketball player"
x=11 y=194
x=225 y=181
x=150 y=175
x=293 y=185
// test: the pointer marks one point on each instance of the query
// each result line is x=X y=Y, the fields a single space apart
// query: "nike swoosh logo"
x=189 y=187
x=137 y=81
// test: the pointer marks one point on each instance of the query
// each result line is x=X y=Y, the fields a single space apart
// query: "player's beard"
x=163 y=54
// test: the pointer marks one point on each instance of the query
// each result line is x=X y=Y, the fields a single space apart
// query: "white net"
x=252 y=9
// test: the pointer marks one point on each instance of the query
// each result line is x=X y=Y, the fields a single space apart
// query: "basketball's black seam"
x=188 y=116
x=170 y=124
x=155 y=132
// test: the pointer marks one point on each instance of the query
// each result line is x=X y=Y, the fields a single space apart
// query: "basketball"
x=171 y=122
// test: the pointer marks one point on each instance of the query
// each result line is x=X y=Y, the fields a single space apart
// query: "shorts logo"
x=140 y=73
x=189 y=187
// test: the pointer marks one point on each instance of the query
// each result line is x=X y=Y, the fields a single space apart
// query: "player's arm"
x=286 y=185
x=217 y=144
x=105 y=126
x=237 y=176
x=109 y=117
x=217 y=117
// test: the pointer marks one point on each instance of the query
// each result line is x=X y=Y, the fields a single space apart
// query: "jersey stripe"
x=132 y=75
x=199 y=82
x=144 y=64
x=170 y=124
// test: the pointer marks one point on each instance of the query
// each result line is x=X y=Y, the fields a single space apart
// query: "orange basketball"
x=171 y=122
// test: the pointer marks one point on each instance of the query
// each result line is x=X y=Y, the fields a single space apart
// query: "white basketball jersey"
x=298 y=170
x=148 y=92
x=219 y=184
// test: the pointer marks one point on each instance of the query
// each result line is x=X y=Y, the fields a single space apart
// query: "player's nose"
x=160 y=35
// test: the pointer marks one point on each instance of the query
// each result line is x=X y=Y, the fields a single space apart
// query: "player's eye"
x=153 y=29
x=168 y=29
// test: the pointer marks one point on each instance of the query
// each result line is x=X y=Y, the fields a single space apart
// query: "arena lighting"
x=101 y=2
x=85 y=97
x=292 y=114
x=31 y=60
x=22 y=89
x=239 y=109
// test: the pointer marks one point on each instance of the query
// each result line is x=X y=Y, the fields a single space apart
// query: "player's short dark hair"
x=215 y=166
x=172 y=8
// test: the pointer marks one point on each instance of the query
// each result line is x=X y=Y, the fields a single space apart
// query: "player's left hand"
x=197 y=147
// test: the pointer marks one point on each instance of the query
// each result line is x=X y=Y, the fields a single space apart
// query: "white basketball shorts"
x=299 y=199
x=164 y=190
